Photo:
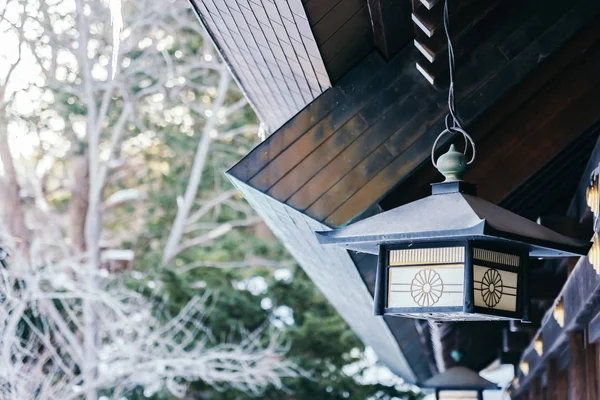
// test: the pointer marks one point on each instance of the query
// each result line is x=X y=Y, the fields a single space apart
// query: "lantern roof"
x=452 y=212
x=458 y=378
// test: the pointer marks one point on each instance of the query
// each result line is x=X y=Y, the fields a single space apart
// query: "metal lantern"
x=459 y=383
x=453 y=256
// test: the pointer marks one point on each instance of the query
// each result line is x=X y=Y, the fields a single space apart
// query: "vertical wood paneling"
x=553 y=377
x=577 y=373
x=591 y=365
x=342 y=122
x=271 y=50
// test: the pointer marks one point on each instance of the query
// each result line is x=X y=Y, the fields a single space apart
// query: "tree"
x=120 y=224
x=42 y=323
x=72 y=330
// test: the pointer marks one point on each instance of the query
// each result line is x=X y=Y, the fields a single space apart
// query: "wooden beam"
x=557 y=381
x=392 y=29
x=580 y=302
x=594 y=330
x=597 y=377
x=493 y=125
x=577 y=366
x=535 y=391
x=472 y=22
x=591 y=365
x=427 y=25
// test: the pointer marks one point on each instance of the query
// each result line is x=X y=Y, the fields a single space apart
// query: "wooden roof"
x=527 y=88
x=360 y=139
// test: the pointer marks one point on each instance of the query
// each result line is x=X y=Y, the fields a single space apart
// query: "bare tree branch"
x=216 y=233
x=171 y=248
x=137 y=348
x=249 y=262
x=215 y=201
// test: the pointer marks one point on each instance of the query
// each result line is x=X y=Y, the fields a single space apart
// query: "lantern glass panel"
x=469 y=280
x=495 y=279
x=426 y=277
x=458 y=395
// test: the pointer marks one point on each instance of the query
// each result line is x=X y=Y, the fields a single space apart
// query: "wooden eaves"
x=528 y=90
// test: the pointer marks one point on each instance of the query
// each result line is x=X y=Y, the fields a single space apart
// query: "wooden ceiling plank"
x=543 y=125
x=340 y=120
x=491 y=91
x=312 y=164
x=254 y=161
x=403 y=110
x=353 y=54
x=350 y=183
x=356 y=27
x=572 y=52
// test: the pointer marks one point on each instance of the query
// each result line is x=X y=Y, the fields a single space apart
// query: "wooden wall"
x=568 y=361
x=541 y=122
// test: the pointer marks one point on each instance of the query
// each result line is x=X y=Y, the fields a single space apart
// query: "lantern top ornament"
x=459 y=378
x=452 y=212
x=452 y=164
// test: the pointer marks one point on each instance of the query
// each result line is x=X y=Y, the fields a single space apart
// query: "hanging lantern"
x=459 y=383
x=453 y=256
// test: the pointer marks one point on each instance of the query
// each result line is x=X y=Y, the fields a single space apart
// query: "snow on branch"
x=43 y=330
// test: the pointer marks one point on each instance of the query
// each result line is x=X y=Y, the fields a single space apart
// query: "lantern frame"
x=453 y=216
x=468 y=310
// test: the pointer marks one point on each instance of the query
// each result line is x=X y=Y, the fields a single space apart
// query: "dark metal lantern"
x=459 y=383
x=453 y=256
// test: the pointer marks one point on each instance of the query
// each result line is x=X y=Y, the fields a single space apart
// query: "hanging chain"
x=452 y=120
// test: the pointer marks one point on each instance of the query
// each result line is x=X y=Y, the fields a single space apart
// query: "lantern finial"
x=452 y=164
